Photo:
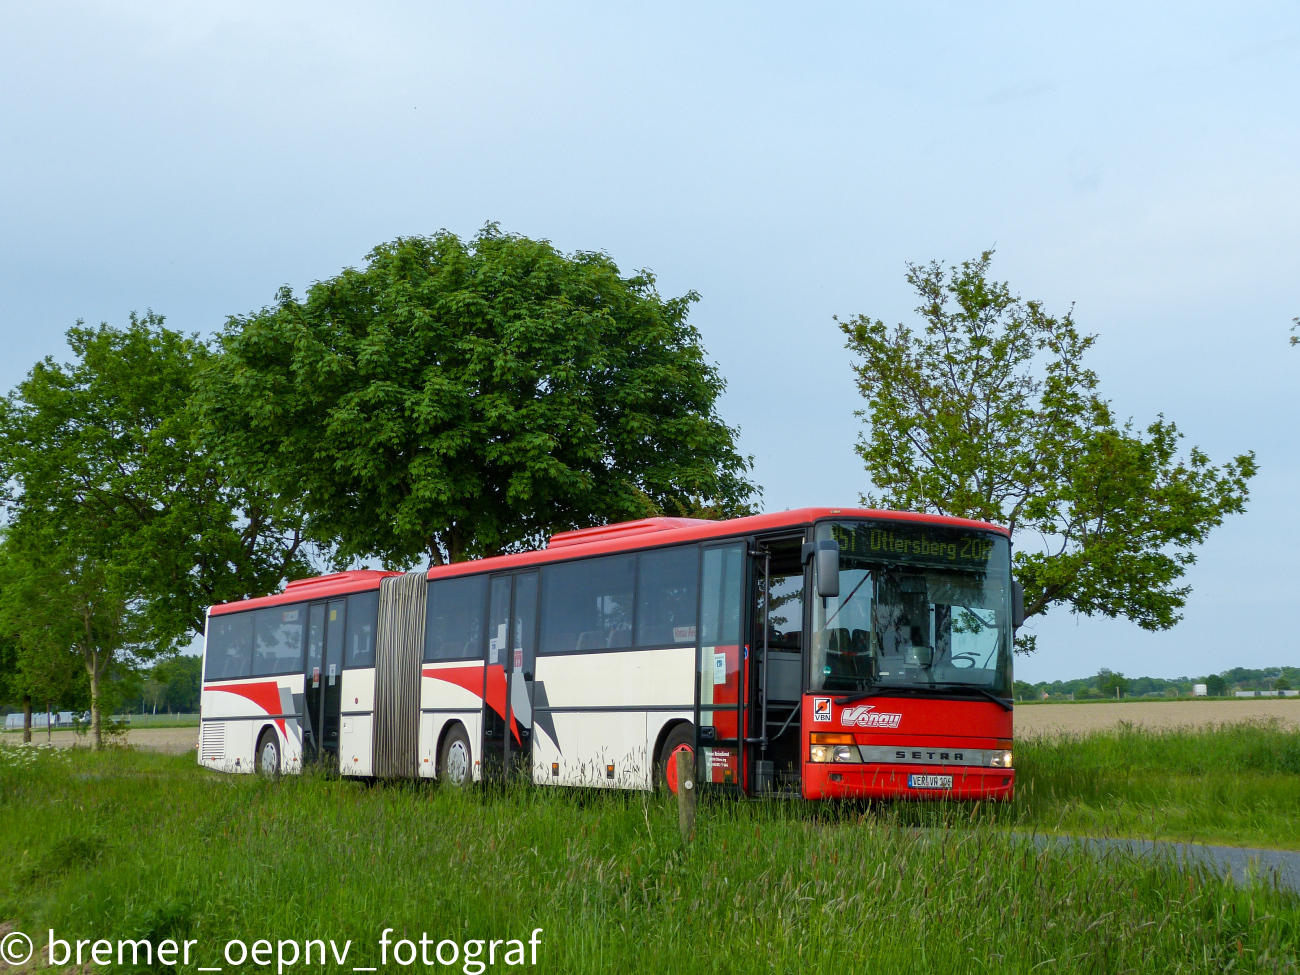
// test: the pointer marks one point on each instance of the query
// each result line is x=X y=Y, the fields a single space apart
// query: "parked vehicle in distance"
x=823 y=652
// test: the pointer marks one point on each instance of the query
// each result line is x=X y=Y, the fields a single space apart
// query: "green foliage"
x=454 y=400
x=121 y=527
x=172 y=685
x=990 y=413
x=764 y=887
x=70 y=603
x=105 y=447
x=1247 y=678
x=1110 y=683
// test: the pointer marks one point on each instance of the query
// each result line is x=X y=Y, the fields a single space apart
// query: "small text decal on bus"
x=821 y=709
x=865 y=716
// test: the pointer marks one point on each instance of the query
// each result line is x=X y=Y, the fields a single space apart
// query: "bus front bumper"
x=843 y=780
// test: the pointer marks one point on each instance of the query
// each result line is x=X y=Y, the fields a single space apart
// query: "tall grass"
x=1234 y=783
x=139 y=845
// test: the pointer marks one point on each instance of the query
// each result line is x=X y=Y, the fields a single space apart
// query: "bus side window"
x=587 y=604
x=229 y=646
x=277 y=647
x=720 y=607
x=454 y=618
x=667 y=594
x=363 y=620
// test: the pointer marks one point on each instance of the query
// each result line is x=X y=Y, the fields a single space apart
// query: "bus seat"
x=592 y=640
x=839 y=641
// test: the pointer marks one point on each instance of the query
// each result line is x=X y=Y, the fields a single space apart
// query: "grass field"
x=1235 y=784
x=140 y=845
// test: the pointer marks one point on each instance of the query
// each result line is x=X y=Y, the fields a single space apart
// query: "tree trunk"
x=27 y=719
x=96 y=725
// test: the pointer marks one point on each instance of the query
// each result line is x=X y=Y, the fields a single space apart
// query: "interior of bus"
x=776 y=677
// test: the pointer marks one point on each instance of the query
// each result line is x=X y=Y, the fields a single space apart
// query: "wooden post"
x=686 y=798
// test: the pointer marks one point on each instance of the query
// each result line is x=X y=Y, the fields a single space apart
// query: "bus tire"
x=456 y=759
x=267 y=760
x=680 y=735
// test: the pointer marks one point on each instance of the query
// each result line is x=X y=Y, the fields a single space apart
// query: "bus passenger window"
x=229 y=646
x=454 y=624
x=587 y=605
x=666 y=594
x=363 y=620
x=277 y=647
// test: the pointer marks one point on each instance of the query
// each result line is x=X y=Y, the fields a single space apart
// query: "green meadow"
x=132 y=845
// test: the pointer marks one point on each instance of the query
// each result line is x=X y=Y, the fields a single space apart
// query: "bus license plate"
x=929 y=781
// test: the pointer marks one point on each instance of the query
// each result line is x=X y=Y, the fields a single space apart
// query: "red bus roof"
x=653 y=532
x=316 y=587
x=602 y=540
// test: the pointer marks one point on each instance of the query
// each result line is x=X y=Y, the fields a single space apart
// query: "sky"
x=1138 y=163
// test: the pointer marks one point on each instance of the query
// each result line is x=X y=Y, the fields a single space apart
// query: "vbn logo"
x=866 y=716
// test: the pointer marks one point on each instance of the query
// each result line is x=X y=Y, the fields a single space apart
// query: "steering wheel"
x=969 y=659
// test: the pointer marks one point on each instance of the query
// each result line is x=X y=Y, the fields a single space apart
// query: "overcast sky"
x=1140 y=163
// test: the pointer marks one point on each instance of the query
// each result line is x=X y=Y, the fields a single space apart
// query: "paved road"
x=1240 y=863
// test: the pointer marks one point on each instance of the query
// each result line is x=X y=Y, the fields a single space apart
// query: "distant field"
x=173 y=741
x=1078 y=717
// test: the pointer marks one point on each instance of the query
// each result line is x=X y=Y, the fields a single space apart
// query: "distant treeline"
x=171 y=686
x=1105 y=683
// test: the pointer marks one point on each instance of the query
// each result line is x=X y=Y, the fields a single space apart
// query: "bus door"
x=323 y=681
x=510 y=666
x=721 y=665
x=774 y=679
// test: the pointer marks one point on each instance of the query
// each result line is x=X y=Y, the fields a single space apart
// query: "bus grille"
x=214 y=740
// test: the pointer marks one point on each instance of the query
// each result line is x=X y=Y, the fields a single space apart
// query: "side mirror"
x=827 y=555
x=1017 y=604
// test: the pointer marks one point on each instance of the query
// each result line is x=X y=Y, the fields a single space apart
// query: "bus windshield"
x=921 y=607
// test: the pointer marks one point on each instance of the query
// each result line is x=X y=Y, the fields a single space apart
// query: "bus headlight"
x=834 y=746
x=1001 y=759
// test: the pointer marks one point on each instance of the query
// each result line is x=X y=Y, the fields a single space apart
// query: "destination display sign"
x=932 y=546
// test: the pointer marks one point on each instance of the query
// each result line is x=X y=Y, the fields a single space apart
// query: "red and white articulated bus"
x=823 y=653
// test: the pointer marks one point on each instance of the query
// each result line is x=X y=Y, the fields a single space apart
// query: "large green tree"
x=70 y=599
x=121 y=527
x=989 y=412
x=459 y=399
x=108 y=442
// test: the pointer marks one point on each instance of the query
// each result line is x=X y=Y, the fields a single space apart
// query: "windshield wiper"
x=976 y=689
x=862 y=695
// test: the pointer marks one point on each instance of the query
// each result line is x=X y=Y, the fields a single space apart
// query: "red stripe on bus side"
x=266 y=695
x=471 y=679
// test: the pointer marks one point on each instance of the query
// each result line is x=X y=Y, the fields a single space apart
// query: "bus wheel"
x=268 y=755
x=454 y=763
x=680 y=739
